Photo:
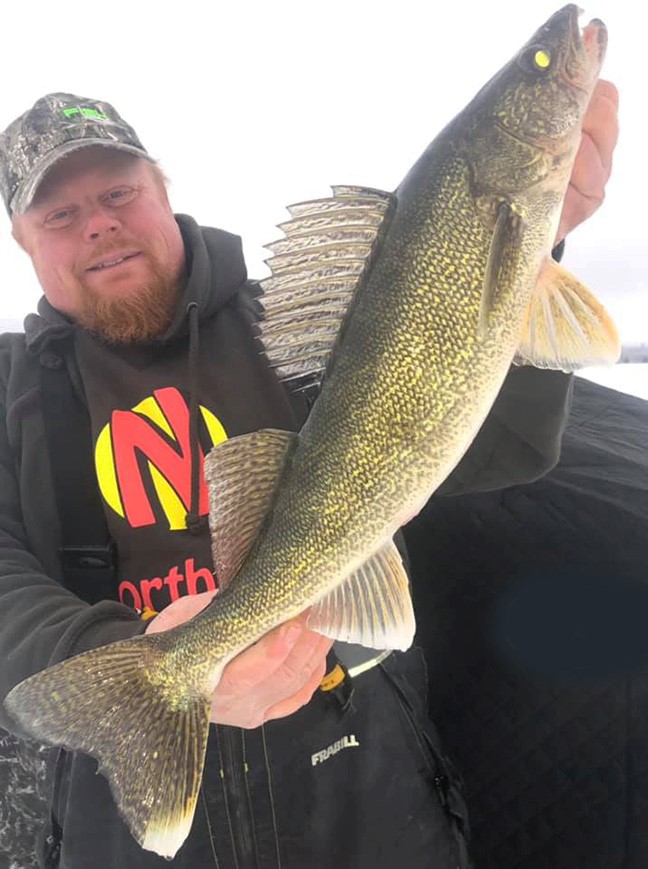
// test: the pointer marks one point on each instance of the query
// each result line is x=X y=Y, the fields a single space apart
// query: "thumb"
x=180 y=611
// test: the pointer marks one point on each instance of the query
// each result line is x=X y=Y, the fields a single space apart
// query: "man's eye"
x=120 y=196
x=58 y=219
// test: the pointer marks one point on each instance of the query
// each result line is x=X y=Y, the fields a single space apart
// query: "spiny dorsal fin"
x=242 y=475
x=566 y=327
x=315 y=271
x=372 y=607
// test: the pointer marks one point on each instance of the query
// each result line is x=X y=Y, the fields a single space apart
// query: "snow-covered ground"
x=627 y=377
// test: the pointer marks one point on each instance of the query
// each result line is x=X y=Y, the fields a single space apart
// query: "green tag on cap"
x=85 y=112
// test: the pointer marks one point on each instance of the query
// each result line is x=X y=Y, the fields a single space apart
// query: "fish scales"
x=417 y=375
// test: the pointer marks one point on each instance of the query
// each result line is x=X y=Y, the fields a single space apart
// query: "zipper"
x=438 y=767
x=239 y=810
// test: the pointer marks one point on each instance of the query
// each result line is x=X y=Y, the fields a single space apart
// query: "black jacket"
x=537 y=646
x=254 y=816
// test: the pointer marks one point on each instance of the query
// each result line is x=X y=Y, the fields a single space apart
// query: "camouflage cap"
x=54 y=126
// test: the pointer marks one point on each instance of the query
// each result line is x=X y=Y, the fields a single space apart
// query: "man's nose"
x=101 y=222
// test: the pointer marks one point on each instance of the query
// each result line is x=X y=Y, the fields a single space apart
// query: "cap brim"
x=25 y=193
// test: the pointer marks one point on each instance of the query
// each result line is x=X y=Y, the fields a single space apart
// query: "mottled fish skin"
x=445 y=298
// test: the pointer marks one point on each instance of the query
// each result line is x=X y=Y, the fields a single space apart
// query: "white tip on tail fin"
x=126 y=706
x=167 y=835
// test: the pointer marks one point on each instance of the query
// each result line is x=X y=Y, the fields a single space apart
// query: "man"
x=145 y=338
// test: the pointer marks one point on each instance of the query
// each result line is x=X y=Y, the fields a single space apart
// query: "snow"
x=630 y=377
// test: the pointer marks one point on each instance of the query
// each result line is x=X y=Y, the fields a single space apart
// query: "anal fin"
x=373 y=607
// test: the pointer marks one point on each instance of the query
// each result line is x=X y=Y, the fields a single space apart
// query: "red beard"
x=139 y=316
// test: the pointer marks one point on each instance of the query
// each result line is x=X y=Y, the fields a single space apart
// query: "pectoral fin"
x=372 y=607
x=505 y=240
x=566 y=326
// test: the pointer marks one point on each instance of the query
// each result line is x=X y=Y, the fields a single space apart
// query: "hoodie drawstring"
x=195 y=522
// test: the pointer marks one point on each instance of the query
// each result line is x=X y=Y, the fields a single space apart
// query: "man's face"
x=105 y=245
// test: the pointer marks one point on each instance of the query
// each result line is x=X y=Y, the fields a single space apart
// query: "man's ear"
x=16 y=232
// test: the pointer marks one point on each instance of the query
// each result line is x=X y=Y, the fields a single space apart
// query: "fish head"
x=520 y=134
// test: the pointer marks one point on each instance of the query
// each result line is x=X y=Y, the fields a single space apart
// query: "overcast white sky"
x=260 y=104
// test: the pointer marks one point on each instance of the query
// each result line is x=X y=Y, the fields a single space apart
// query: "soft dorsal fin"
x=242 y=475
x=315 y=271
x=372 y=607
x=566 y=327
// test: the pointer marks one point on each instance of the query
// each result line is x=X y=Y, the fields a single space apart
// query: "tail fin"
x=124 y=705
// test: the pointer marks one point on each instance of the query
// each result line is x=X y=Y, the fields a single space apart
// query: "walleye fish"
x=409 y=307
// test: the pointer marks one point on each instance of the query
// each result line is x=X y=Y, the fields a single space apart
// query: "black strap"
x=87 y=552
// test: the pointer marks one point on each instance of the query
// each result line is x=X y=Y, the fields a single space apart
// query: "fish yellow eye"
x=537 y=58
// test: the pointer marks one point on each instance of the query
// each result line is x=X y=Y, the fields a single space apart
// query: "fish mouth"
x=585 y=48
x=592 y=38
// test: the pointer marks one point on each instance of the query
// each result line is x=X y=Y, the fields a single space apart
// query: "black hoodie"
x=41 y=621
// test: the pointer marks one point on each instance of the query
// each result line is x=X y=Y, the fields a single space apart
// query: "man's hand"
x=271 y=679
x=593 y=162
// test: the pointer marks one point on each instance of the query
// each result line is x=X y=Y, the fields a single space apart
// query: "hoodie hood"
x=216 y=271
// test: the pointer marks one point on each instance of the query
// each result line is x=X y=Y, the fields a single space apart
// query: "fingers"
x=601 y=133
x=280 y=642
x=593 y=163
x=605 y=89
x=261 y=660
x=257 y=685
x=300 y=698
x=272 y=678
x=306 y=660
